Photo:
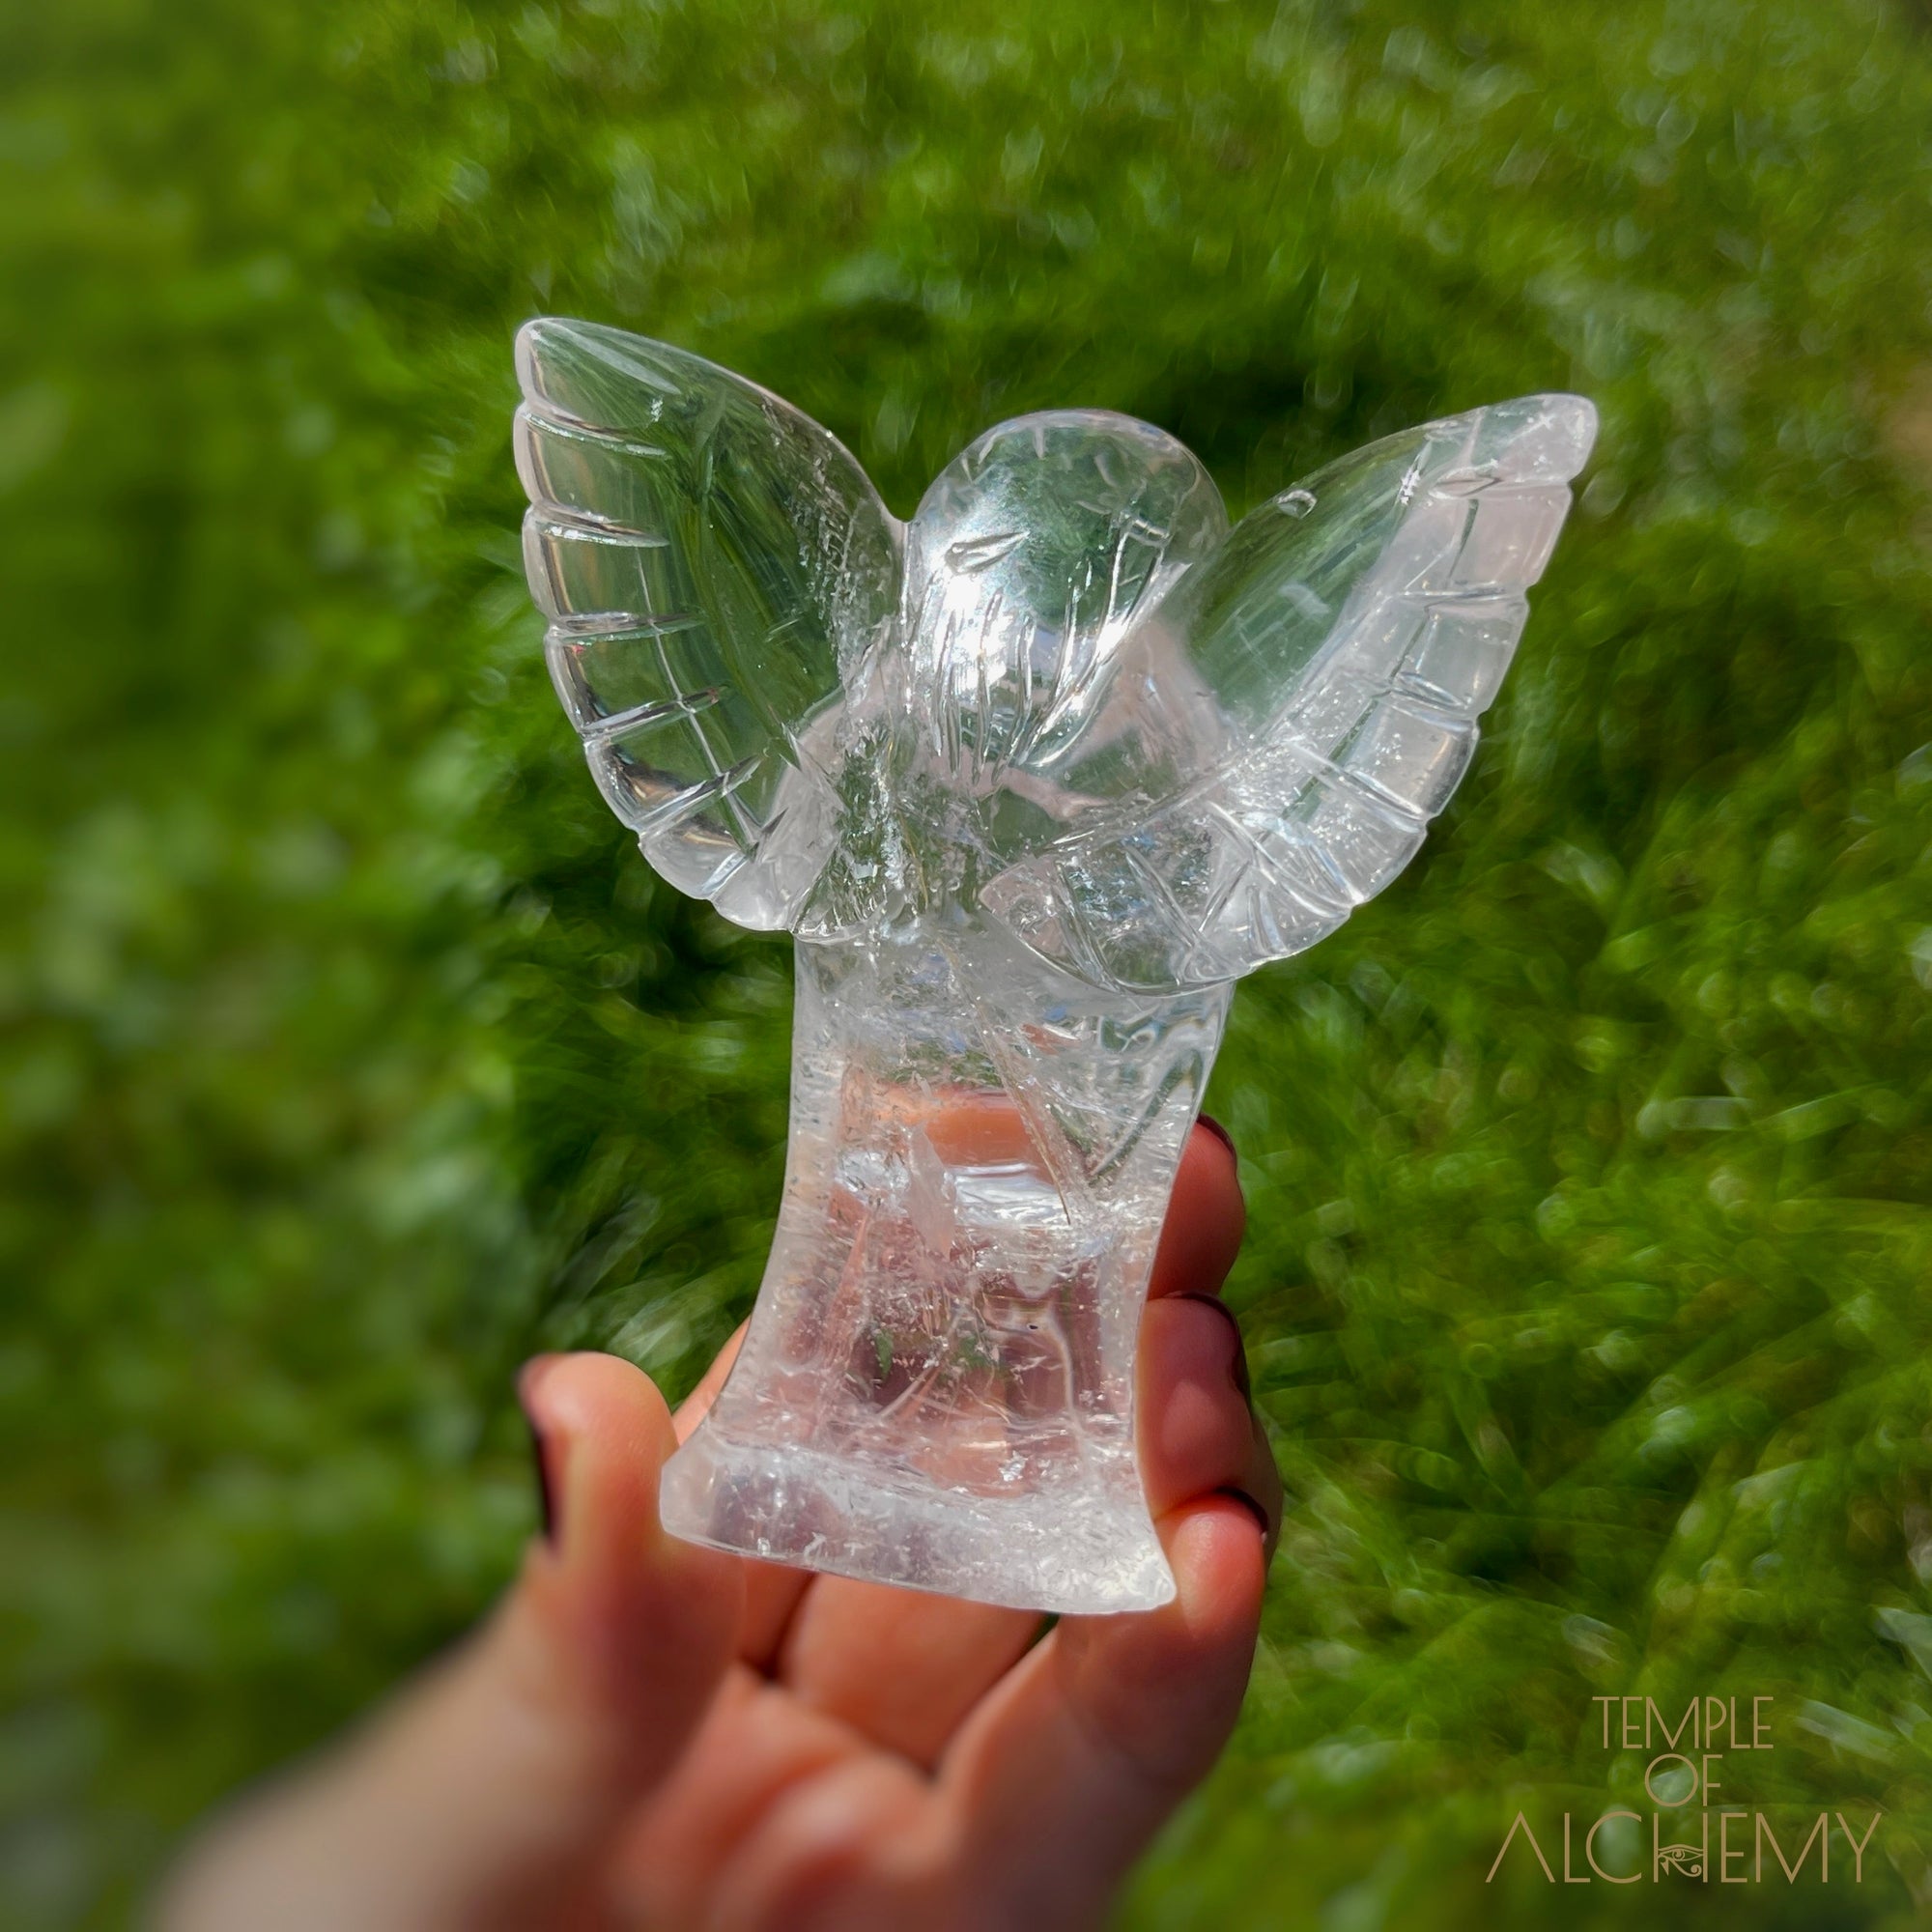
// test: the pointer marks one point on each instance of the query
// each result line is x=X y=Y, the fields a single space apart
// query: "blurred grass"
x=348 y=1054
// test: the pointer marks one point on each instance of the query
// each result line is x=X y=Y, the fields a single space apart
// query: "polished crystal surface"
x=1032 y=779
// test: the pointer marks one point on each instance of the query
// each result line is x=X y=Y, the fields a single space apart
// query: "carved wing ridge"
x=714 y=566
x=1300 y=705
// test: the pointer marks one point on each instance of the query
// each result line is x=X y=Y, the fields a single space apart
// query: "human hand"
x=647 y=1733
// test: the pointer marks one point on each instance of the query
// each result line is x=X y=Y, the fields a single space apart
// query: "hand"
x=647 y=1733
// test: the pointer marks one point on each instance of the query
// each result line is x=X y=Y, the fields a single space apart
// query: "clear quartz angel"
x=1031 y=781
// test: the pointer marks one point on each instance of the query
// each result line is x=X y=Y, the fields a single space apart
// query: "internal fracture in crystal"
x=1031 y=781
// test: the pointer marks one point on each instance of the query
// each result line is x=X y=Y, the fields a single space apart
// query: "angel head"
x=1065 y=699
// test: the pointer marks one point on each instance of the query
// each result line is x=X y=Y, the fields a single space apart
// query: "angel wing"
x=1269 y=743
x=1158 y=752
x=717 y=570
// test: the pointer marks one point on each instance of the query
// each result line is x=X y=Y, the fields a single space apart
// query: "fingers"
x=1069 y=1767
x=851 y=1850
x=725 y=1837
x=1195 y=1428
x=482 y=1797
x=1261 y=1485
x=1094 y=1738
x=905 y=1670
x=1198 y=1431
x=629 y=1626
x=900 y=1666
x=1205 y=1218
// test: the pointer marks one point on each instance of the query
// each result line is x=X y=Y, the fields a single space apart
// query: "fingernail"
x=1219 y=1132
x=1248 y=1503
x=545 y=1508
x=1239 y=1366
x=539 y=1456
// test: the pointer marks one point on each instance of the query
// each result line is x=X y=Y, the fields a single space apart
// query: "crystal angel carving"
x=1031 y=781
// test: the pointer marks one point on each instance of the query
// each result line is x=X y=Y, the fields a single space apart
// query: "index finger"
x=1090 y=1742
x=1206 y=1217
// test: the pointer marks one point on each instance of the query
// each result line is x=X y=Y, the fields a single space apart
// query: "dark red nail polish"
x=1238 y=1368
x=539 y=1459
x=1248 y=1503
x=545 y=1508
x=1219 y=1132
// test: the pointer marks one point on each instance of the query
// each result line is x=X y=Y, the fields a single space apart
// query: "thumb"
x=618 y=1631
x=484 y=1796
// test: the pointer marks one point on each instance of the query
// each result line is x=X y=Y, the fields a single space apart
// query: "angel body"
x=1031 y=781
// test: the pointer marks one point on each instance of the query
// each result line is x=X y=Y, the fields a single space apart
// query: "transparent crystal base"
x=1071 y=1553
x=1033 y=779
x=937 y=1386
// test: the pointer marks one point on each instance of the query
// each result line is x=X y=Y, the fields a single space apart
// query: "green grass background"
x=348 y=1054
